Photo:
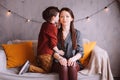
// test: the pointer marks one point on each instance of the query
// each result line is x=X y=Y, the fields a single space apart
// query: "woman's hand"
x=71 y=61
x=63 y=61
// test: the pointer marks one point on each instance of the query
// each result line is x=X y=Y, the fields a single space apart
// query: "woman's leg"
x=63 y=74
x=72 y=71
x=62 y=70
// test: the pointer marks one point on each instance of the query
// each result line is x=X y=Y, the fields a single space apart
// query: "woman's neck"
x=66 y=28
x=65 y=31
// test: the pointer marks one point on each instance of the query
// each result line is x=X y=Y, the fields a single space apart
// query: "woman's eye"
x=67 y=16
x=64 y=16
x=61 y=16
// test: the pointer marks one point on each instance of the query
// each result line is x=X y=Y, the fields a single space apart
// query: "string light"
x=8 y=12
x=106 y=9
x=28 y=20
x=88 y=19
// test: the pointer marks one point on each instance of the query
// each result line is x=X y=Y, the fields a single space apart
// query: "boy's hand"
x=61 y=52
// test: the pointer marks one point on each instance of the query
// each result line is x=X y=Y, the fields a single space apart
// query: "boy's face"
x=57 y=18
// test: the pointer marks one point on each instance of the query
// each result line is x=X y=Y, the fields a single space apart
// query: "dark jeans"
x=66 y=72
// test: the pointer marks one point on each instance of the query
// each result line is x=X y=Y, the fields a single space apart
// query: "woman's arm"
x=79 y=50
x=73 y=59
x=76 y=57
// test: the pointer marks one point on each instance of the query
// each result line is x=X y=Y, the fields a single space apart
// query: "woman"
x=70 y=41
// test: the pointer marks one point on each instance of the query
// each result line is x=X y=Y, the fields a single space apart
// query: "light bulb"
x=28 y=20
x=8 y=12
x=88 y=19
x=106 y=9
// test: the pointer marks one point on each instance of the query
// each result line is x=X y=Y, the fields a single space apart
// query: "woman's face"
x=65 y=18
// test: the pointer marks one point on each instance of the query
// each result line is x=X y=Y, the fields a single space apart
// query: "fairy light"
x=28 y=20
x=88 y=19
x=8 y=12
x=106 y=9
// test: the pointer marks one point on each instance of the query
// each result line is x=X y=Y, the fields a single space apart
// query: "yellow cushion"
x=17 y=54
x=88 y=47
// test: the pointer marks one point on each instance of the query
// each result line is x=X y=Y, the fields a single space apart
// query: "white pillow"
x=2 y=61
x=85 y=40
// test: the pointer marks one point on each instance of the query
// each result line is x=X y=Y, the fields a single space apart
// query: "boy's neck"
x=53 y=22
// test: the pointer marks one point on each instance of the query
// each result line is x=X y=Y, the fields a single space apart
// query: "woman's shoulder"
x=78 y=31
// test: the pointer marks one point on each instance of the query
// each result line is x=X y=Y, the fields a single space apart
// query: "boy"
x=47 y=42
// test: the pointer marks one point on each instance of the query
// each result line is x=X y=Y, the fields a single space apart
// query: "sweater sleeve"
x=79 y=43
x=52 y=35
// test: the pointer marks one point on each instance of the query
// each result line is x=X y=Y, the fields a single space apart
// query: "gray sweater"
x=69 y=52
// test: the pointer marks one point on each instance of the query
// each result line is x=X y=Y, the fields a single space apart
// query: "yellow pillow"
x=88 y=47
x=17 y=54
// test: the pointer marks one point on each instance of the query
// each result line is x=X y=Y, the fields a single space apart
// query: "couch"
x=12 y=73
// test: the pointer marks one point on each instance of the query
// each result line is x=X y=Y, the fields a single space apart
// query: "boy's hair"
x=49 y=12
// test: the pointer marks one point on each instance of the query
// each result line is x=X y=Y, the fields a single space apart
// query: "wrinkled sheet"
x=99 y=64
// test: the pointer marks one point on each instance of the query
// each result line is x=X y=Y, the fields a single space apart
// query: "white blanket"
x=99 y=63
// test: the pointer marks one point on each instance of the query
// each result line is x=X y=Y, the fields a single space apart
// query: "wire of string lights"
x=9 y=12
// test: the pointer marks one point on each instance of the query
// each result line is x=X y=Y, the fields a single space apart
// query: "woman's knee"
x=63 y=68
x=75 y=67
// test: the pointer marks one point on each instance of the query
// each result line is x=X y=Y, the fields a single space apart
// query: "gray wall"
x=104 y=27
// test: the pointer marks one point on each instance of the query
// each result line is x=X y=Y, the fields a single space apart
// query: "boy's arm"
x=58 y=51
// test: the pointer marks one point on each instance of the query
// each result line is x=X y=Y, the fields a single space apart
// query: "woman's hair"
x=49 y=12
x=72 y=30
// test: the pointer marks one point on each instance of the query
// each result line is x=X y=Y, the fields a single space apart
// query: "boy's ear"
x=53 y=17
